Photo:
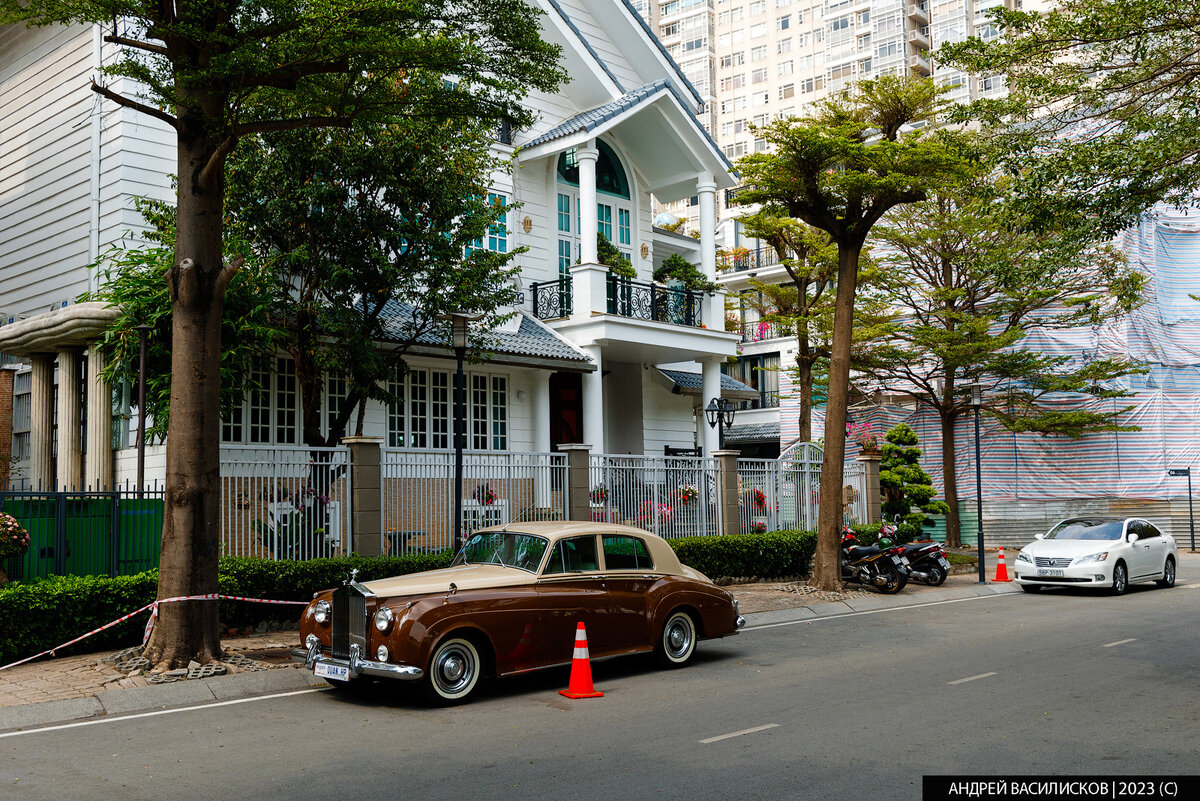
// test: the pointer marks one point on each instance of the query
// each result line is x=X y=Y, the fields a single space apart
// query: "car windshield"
x=1087 y=530
x=506 y=548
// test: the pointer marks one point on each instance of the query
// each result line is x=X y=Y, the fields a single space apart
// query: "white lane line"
x=1190 y=586
x=972 y=678
x=740 y=733
x=877 y=611
x=156 y=713
x=1118 y=642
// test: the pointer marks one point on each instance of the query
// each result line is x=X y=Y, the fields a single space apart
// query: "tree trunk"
x=827 y=571
x=804 y=374
x=950 y=480
x=189 y=630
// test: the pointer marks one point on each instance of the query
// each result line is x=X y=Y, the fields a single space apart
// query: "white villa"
x=627 y=373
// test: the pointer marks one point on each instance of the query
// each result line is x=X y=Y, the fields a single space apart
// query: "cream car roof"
x=663 y=556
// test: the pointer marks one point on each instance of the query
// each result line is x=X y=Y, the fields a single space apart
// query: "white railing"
x=673 y=496
x=786 y=493
x=285 y=502
x=417 y=501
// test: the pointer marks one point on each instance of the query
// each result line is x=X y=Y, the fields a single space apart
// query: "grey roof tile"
x=688 y=380
x=592 y=118
x=753 y=432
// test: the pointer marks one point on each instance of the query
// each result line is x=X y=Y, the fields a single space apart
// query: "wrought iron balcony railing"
x=642 y=301
x=762 y=330
x=552 y=299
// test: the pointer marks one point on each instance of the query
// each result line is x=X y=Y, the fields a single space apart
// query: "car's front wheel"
x=1030 y=587
x=1168 y=579
x=677 y=644
x=453 y=671
x=1120 y=579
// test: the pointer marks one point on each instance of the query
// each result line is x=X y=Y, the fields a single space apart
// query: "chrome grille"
x=349 y=620
x=1057 y=561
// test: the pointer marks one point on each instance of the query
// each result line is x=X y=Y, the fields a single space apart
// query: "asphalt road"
x=852 y=707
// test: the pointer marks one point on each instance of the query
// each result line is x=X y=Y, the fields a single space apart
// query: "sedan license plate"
x=1045 y=571
x=339 y=672
x=943 y=562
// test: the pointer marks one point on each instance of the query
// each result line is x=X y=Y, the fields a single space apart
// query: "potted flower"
x=14 y=540
x=687 y=494
x=484 y=494
x=599 y=494
x=866 y=437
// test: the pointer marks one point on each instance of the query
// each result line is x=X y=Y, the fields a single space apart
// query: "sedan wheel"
x=1168 y=579
x=453 y=671
x=678 y=642
x=1030 y=587
x=1120 y=580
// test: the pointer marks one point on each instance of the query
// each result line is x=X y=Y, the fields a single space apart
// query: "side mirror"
x=1041 y=536
x=1132 y=538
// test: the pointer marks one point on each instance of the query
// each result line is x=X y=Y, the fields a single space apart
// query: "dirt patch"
x=766 y=597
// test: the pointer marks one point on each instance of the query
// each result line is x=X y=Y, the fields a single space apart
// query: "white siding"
x=667 y=418
x=608 y=52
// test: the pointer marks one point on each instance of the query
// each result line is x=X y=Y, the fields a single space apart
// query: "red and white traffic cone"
x=581 y=669
x=1001 y=567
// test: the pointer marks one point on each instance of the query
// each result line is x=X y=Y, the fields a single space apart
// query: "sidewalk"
x=51 y=691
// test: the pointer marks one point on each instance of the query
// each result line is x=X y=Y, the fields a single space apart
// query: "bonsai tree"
x=616 y=261
x=677 y=268
x=902 y=481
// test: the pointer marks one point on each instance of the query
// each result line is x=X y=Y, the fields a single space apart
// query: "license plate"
x=1045 y=571
x=944 y=562
x=339 y=672
x=904 y=561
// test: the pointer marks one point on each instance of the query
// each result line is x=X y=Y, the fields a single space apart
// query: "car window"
x=626 y=553
x=1087 y=530
x=1146 y=531
x=506 y=548
x=573 y=555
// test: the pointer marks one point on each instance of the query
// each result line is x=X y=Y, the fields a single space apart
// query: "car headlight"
x=384 y=619
x=321 y=612
x=1024 y=557
x=381 y=653
x=1095 y=557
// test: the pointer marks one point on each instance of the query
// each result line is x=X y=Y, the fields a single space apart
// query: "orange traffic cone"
x=581 y=670
x=1001 y=568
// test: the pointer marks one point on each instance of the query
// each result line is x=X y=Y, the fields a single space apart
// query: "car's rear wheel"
x=1120 y=579
x=453 y=671
x=1030 y=587
x=1168 y=579
x=677 y=645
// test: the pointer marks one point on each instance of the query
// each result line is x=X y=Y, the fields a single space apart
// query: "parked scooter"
x=926 y=559
x=881 y=569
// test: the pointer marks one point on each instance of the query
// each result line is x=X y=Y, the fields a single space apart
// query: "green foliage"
x=769 y=555
x=1099 y=122
x=677 y=268
x=902 y=481
x=868 y=533
x=616 y=261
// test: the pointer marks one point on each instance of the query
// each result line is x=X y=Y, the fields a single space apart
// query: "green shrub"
x=770 y=555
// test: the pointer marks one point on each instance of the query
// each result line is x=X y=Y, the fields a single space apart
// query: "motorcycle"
x=927 y=561
x=881 y=569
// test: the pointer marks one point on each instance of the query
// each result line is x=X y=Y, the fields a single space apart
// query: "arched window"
x=610 y=175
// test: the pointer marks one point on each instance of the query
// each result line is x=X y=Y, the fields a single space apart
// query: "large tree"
x=1103 y=97
x=374 y=235
x=840 y=170
x=216 y=71
x=970 y=279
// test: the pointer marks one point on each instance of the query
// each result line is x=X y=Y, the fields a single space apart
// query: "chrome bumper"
x=357 y=665
x=741 y=621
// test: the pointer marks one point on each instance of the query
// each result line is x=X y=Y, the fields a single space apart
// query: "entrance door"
x=566 y=409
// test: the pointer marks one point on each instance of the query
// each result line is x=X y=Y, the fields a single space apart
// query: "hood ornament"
x=353 y=576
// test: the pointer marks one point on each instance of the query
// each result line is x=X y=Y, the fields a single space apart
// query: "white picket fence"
x=499 y=487
x=290 y=502
x=785 y=493
x=673 y=496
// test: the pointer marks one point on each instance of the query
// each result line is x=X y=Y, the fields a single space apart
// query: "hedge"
x=43 y=613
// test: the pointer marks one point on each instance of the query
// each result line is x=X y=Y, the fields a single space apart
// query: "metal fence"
x=285 y=502
x=673 y=496
x=498 y=487
x=786 y=493
x=113 y=533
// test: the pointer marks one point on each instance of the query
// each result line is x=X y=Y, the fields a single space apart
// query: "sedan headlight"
x=1095 y=557
x=384 y=619
x=1024 y=557
x=321 y=613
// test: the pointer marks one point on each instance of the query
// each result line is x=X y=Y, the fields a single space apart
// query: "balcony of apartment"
x=918 y=39
x=920 y=65
x=741 y=260
x=918 y=12
x=765 y=331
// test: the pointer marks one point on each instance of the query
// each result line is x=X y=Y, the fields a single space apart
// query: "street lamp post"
x=459 y=323
x=141 y=433
x=976 y=404
x=1187 y=471
x=720 y=416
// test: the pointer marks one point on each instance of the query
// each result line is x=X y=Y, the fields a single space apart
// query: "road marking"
x=877 y=611
x=740 y=733
x=972 y=678
x=156 y=713
x=1118 y=642
x=1190 y=586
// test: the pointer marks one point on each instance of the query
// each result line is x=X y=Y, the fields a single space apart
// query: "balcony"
x=919 y=12
x=552 y=300
x=920 y=65
x=637 y=300
x=918 y=40
x=763 y=330
x=739 y=259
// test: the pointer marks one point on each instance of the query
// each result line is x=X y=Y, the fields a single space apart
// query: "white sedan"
x=1110 y=552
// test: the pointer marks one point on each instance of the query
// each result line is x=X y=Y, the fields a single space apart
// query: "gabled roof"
x=688 y=383
x=649 y=34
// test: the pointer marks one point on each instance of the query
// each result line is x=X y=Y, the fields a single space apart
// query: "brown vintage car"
x=510 y=603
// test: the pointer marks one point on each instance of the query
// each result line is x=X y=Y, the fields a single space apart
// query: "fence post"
x=728 y=519
x=578 y=481
x=871 y=494
x=366 y=495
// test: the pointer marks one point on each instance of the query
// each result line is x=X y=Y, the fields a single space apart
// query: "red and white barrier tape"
x=153 y=607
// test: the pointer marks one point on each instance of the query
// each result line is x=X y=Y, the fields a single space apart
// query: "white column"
x=593 y=402
x=539 y=407
x=711 y=388
x=98 y=467
x=586 y=157
x=714 y=305
x=70 y=444
x=41 y=424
